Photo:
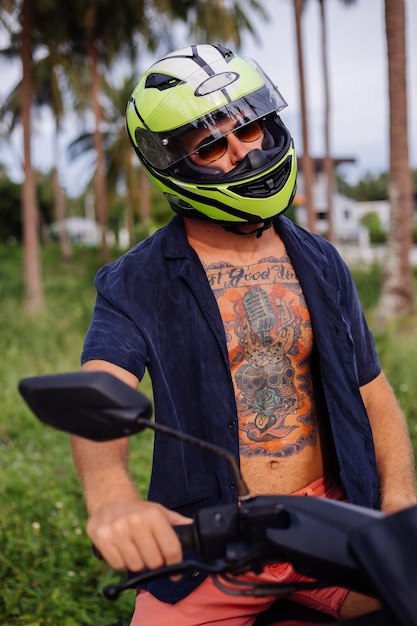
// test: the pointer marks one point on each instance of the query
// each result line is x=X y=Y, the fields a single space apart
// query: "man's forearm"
x=103 y=470
x=394 y=454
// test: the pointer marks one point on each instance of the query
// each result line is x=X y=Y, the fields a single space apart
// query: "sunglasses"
x=212 y=151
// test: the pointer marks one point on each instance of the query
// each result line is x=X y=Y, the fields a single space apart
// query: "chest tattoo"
x=269 y=340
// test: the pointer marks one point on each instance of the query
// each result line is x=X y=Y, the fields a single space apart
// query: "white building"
x=352 y=237
x=80 y=230
x=346 y=221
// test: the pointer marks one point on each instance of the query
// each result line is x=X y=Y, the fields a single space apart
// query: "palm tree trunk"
x=32 y=263
x=64 y=242
x=307 y=163
x=100 y=175
x=397 y=284
x=328 y=161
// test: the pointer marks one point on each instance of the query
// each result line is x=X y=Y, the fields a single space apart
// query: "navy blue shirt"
x=155 y=309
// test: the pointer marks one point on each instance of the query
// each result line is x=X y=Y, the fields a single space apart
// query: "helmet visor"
x=202 y=135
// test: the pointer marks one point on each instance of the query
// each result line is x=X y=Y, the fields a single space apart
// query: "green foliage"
x=10 y=213
x=48 y=572
x=369 y=187
x=46 y=201
x=372 y=222
x=161 y=215
x=368 y=283
x=10 y=207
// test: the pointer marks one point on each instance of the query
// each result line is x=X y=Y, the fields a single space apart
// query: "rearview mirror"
x=94 y=405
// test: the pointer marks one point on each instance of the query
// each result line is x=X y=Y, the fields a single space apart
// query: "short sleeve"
x=112 y=336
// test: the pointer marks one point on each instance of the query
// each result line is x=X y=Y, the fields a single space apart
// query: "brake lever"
x=112 y=592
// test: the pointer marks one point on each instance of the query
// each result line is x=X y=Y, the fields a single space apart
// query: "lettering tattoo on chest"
x=269 y=340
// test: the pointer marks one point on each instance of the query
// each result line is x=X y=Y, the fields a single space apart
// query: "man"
x=253 y=336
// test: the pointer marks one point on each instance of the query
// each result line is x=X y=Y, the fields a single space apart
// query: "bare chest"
x=269 y=338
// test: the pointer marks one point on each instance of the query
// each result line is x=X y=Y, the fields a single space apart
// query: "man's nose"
x=236 y=149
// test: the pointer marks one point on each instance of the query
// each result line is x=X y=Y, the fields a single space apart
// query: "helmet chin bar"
x=254 y=160
x=232 y=227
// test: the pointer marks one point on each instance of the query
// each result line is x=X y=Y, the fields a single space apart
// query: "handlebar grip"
x=187 y=534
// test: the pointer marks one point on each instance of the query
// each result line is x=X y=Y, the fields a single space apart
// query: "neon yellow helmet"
x=195 y=88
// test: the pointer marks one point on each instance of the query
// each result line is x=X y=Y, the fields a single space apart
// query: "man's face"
x=226 y=152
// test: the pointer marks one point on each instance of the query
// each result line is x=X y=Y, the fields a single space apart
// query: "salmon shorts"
x=209 y=605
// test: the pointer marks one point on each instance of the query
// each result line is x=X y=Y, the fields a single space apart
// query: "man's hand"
x=135 y=534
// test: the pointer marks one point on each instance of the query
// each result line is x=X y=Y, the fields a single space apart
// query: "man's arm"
x=394 y=454
x=129 y=532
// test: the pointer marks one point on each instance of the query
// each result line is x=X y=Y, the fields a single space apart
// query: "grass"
x=48 y=573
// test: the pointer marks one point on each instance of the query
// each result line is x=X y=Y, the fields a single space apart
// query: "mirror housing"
x=93 y=405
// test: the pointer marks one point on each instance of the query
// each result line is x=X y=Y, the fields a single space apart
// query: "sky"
x=358 y=85
x=358 y=75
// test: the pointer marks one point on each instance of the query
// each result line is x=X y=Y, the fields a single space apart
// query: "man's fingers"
x=139 y=538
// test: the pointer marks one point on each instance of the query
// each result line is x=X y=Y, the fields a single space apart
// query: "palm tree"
x=307 y=163
x=119 y=170
x=208 y=19
x=32 y=262
x=95 y=31
x=397 y=283
x=32 y=17
x=328 y=160
x=46 y=92
x=52 y=75
x=218 y=20
x=22 y=12
x=101 y=28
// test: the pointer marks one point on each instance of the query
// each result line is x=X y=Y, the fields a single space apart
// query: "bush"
x=10 y=212
x=373 y=223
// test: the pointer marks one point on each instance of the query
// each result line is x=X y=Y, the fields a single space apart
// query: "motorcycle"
x=334 y=543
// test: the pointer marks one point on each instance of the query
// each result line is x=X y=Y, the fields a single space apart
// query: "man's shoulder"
x=147 y=251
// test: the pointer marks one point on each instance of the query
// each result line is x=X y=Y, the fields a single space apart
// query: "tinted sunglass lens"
x=214 y=150
x=250 y=132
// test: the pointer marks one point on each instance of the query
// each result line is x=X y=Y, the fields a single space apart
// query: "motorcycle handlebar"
x=187 y=534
